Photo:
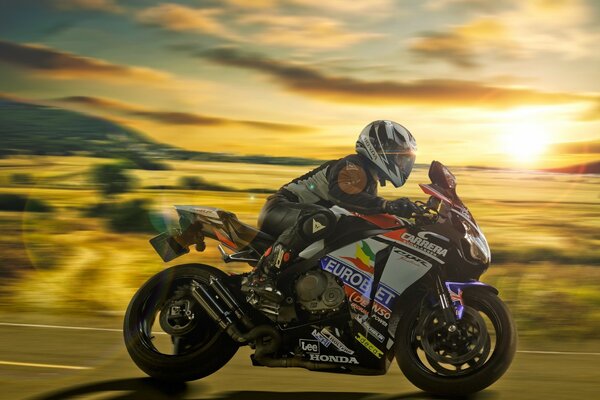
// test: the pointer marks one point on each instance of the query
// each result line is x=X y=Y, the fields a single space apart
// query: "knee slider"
x=317 y=225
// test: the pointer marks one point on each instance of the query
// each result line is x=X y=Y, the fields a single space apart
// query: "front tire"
x=433 y=362
x=200 y=348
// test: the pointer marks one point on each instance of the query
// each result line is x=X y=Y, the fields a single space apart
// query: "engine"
x=319 y=292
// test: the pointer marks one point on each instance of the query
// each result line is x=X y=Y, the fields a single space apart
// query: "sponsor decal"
x=333 y=359
x=372 y=152
x=322 y=339
x=364 y=257
x=372 y=331
x=384 y=296
x=317 y=226
x=381 y=311
x=424 y=244
x=380 y=320
x=359 y=299
x=368 y=345
x=358 y=280
x=457 y=299
x=358 y=308
x=336 y=342
x=375 y=333
x=411 y=258
x=309 y=345
x=425 y=235
x=359 y=302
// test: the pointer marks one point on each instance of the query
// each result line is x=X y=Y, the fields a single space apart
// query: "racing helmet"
x=391 y=148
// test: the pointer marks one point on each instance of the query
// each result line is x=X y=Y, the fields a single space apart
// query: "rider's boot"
x=262 y=280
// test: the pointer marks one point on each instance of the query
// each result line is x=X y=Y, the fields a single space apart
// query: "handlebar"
x=425 y=214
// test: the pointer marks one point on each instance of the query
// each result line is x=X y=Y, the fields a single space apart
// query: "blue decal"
x=456 y=291
x=358 y=280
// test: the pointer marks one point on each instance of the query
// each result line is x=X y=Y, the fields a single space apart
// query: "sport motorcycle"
x=379 y=287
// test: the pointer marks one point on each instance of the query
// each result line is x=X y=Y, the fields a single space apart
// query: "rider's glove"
x=401 y=207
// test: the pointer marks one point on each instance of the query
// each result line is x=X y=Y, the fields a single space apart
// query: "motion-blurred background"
x=112 y=111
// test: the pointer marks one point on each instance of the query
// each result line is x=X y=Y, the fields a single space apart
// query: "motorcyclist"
x=298 y=213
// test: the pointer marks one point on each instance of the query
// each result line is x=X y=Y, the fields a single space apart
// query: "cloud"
x=304 y=32
x=180 y=18
x=63 y=65
x=109 y=6
x=311 y=82
x=462 y=45
x=592 y=114
x=365 y=8
x=507 y=32
x=445 y=46
x=469 y=4
x=175 y=117
x=258 y=4
x=262 y=26
x=587 y=147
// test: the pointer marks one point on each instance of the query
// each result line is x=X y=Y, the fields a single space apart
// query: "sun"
x=525 y=141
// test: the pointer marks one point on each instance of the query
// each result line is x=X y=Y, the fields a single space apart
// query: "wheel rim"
x=172 y=323
x=465 y=351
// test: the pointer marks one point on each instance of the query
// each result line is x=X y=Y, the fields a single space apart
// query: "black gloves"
x=401 y=207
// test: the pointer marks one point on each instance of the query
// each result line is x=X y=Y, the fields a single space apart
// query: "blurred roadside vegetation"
x=89 y=252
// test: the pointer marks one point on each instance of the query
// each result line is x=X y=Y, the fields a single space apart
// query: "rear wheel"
x=168 y=335
x=460 y=360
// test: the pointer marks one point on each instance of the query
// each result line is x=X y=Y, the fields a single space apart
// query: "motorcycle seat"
x=224 y=226
x=246 y=236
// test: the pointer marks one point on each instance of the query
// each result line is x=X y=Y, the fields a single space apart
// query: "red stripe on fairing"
x=381 y=220
x=432 y=192
x=396 y=235
x=224 y=239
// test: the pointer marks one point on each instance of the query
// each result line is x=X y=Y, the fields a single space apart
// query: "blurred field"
x=543 y=230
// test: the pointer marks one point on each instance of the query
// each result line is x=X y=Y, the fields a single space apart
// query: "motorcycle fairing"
x=375 y=273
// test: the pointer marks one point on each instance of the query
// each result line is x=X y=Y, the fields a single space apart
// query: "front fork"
x=452 y=307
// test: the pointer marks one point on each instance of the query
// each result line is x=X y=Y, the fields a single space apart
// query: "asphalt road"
x=58 y=360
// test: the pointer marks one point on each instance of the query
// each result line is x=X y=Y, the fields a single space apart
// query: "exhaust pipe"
x=223 y=317
x=266 y=337
x=216 y=311
x=230 y=301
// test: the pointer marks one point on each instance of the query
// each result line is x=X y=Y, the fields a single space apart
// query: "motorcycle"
x=380 y=287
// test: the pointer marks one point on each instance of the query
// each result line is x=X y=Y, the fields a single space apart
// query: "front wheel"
x=463 y=359
x=168 y=335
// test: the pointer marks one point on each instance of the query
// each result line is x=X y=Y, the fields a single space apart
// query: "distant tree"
x=19 y=202
x=130 y=216
x=112 y=179
x=21 y=179
x=198 y=183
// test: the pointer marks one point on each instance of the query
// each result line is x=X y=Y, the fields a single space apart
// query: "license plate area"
x=167 y=247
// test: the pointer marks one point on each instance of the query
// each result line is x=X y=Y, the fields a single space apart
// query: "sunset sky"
x=512 y=83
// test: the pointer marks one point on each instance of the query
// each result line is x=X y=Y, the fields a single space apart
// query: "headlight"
x=479 y=248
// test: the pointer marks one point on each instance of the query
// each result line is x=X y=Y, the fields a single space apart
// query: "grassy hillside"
x=33 y=129
x=589 y=168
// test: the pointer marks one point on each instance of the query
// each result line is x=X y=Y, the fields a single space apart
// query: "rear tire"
x=207 y=347
x=441 y=379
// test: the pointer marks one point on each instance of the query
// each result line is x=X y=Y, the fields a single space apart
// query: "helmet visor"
x=405 y=162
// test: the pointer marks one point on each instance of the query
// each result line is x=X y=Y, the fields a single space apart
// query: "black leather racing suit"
x=298 y=214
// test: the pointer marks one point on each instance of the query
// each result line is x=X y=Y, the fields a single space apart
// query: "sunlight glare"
x=525 y=141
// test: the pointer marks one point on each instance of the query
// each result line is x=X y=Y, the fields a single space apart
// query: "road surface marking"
x=22 y=364
x=84 y=328
x=77 y=328
x=568 y=353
